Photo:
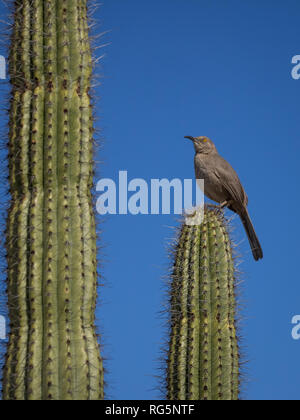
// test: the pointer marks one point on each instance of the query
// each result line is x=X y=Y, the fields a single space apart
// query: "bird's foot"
x=193 y=214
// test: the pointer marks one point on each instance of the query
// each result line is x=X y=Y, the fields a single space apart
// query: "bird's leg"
x=225 y=204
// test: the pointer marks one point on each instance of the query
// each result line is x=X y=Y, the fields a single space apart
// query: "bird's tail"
x=253 y=239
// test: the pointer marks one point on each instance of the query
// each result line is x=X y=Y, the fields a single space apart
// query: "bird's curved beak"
x=189 y=138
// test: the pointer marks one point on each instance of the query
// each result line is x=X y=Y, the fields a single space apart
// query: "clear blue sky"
x=221 y=69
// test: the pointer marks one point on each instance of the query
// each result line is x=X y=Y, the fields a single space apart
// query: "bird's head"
x=202 y=144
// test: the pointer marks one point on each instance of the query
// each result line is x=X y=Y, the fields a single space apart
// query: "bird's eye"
x=204 y=140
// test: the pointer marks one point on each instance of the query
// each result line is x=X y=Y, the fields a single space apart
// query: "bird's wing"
x=230 y=181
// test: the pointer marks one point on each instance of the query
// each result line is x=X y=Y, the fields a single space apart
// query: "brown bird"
x=222 y=185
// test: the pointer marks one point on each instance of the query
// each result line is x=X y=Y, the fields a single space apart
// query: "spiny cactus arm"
x=53 y=351
x=203 y=360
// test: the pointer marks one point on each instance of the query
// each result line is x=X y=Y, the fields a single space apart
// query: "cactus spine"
x=203 y=354
x=53 y=353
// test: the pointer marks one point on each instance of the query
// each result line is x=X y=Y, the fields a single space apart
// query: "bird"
x=222 y=185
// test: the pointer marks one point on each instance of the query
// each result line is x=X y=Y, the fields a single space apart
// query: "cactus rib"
x=203 y=355
x=53 y=352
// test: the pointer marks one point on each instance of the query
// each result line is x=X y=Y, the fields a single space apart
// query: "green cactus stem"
x=53 y=351
x=203 y=354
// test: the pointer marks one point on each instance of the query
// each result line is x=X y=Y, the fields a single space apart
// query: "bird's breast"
x=213 y=189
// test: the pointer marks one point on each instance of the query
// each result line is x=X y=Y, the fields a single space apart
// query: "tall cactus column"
x=53 y=351
x=203 y=355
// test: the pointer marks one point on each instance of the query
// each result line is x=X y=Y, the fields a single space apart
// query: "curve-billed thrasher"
x=222 y=185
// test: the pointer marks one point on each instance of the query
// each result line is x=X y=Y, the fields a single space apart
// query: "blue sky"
x=221 y=69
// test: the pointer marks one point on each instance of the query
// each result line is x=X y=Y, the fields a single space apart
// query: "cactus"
x=203 y=352
x=53 y=351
